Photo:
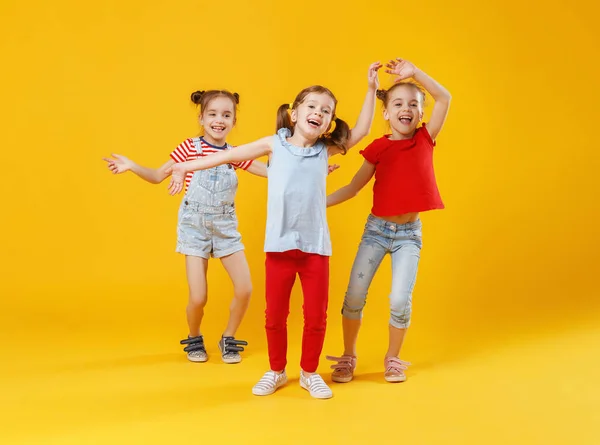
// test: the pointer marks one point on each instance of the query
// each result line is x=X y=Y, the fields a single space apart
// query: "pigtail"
x=381 y=95
x=237 y=98
x=339 y=136
x=283 y=118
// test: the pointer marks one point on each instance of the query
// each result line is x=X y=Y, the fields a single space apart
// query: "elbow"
x=352 y=193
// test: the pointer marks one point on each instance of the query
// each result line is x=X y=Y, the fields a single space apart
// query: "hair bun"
x=237 y=98
x=381 y=94
x=196 y=96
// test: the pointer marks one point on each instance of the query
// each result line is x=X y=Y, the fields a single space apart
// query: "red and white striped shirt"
x=186 y=151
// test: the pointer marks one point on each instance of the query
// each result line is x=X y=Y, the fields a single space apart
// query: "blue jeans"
x=403 y=243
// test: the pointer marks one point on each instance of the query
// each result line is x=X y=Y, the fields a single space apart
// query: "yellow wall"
x=517 y=162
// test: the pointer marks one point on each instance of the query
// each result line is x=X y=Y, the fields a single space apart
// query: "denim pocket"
x=218 y=179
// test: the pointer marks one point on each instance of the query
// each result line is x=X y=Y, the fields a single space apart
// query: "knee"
x=316 y=323
x=197 y=300
x=243 y=292
x=354 y=303
x=400 y=310
x=275 y=319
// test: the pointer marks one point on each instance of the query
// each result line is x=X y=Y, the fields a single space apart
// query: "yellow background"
x=505 y=334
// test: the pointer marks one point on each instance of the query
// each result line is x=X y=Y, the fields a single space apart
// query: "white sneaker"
x=269 y=383
x=315 y=385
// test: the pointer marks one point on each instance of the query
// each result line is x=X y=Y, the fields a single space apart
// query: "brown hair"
x=340 y=134
x=203 y=98
x=384 y=95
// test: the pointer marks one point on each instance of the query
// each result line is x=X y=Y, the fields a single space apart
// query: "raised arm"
x=241 y=153
x=360 y=179
x=118 y=164
x=365 y=118
x=404 y=69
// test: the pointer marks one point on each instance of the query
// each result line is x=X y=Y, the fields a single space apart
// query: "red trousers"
x=281 y=270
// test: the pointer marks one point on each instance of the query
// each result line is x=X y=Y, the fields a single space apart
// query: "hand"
x=401 y=68
x=118 y=164
x=372 y=76
x=332 y=168
x=178 y=174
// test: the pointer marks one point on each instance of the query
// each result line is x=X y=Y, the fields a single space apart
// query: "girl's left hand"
x=372 y=76
x=401 y=68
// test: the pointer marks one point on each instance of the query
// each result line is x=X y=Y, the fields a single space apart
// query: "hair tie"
x=291 y=105
x=331 y=127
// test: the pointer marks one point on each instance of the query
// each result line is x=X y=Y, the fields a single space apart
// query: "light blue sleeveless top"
x=296 y=207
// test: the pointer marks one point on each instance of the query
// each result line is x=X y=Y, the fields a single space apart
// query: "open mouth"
x=217 y=128
x=314 y=123
x=406 y=120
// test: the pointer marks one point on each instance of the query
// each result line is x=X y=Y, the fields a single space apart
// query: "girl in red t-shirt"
x=405 y=185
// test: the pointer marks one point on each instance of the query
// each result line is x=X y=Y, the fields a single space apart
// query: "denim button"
x=392 y=227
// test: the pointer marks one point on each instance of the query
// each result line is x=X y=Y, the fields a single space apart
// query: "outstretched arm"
x=361 y=178
x=118 y=164
x=241 y=153
x=260 y=169
x=404 y=70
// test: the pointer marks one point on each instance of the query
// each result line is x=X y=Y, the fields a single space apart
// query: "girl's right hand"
x=177 y=179
x=118 y=164
x=372 y=76
x=401 y=68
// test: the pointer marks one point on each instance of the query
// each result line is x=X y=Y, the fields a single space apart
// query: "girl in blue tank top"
x=297 y=238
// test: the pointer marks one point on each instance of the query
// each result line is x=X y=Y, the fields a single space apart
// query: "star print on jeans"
x=371 y=261
x=361 y=275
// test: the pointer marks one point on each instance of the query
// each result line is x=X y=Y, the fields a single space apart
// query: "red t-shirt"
x=404 y=176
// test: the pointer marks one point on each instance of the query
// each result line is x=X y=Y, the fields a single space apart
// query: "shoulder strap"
x=197 y=145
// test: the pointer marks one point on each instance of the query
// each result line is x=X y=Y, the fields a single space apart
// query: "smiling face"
x=404 y=110
x=218 y=118
x=312 y=116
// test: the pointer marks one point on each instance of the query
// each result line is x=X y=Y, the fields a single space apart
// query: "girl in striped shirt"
x=207 y=223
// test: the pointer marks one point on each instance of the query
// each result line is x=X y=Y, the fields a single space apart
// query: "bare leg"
x=196 y=268
x=239 y=272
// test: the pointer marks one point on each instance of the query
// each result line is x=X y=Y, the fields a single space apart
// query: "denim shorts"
x=205 y=231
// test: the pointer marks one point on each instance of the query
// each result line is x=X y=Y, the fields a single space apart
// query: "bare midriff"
x=401 y=219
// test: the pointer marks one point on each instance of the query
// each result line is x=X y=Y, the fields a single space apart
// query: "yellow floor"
x=78 y=384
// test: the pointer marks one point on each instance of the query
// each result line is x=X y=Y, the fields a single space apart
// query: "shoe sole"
x=342 y=379
x=315 y=395
x=399 y=379
x=197 y=359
